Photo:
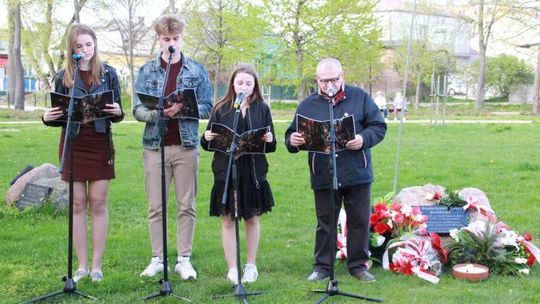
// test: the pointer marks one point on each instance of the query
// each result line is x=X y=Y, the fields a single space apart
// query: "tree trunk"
x=300 y=74
x=78 y=4
x=77 y=7
x=15 y=67
x=482 y=66
x=172 y=8
x=216 y=77
x=536 y=101
x=46 y=54
x=418 y=91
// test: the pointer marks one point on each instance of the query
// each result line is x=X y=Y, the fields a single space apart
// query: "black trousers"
x=356 y=200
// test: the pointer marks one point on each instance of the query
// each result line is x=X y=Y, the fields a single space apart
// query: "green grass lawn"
x=502 y=160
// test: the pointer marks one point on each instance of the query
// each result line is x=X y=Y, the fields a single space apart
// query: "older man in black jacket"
x=354 y=169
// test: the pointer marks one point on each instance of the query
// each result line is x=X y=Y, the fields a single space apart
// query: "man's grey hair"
x=328 y=63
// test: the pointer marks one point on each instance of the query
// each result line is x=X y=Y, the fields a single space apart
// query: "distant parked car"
x=456 y=86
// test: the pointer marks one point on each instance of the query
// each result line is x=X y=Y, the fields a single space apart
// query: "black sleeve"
x=58 y=88
x=271 y=146
x=290 y=130
x=204 y=142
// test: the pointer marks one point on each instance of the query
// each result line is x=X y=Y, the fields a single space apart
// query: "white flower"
x=380 y=240
x=521 y=261
x=524 y=271
x=454 y=234
x=406 y=210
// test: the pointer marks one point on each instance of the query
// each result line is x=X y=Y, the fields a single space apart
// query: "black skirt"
x=254 y=198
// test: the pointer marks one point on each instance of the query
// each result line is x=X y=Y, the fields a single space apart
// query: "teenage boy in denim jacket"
x=181 y=140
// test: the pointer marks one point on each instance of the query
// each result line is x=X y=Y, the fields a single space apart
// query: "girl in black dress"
x=255 y=196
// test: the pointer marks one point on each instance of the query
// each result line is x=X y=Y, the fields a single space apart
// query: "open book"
x=317 y=133
x=85 y=108
x=248 y=142
x=187 y=98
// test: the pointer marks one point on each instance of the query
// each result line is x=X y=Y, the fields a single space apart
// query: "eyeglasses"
x=334 y=81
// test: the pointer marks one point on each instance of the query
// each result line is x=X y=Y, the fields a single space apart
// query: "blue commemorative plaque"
x=440 y=219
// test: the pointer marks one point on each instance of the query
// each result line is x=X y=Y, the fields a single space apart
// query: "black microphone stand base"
x=165 y=290
x=333 y=290
x=240 y=293
x=69 y=288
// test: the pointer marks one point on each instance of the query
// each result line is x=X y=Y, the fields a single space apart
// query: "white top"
x=380 y=101
x=399 y=102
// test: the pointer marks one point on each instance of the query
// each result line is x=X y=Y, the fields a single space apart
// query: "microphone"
x=171 y=49
x=331 y=91
x=239 y=99
x=77 y=57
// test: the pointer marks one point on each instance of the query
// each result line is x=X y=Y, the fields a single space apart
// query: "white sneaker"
x=233 y=276
x=250 y=273
x=79 y=274
x=185 y=269
x=155 y=266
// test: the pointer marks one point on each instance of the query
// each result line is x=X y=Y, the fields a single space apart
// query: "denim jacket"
x=150 y=80
x=109 y=81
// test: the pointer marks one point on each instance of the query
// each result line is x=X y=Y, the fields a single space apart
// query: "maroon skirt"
x=93 y=158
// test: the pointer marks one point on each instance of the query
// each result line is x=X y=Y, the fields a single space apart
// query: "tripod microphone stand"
x=70 y=287
x=332 y=286
x=239 y=290
x=160 y=129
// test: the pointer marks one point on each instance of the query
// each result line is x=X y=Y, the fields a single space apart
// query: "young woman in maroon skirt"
x=93 y=150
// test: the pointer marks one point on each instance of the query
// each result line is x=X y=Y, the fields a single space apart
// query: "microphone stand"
x=332 y=287
x=160 y=129
x=70 y=287
x=239 y=290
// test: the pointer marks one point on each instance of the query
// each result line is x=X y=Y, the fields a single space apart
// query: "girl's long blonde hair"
x=96 y=67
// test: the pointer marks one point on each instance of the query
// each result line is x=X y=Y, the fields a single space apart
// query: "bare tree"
x=172 y=8
x=15 y=67
x=126 y=17
x=489 y=12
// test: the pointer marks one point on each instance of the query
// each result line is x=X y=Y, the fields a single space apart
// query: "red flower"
x=527 y=236
x=399 y=218
x=381 y=228
x=396 y=207
x=531 y=260
x=437 y=196
x=380 y=208
x=401 y=267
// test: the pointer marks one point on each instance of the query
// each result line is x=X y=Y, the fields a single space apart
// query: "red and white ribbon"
x=472 y=204
x=414 y=251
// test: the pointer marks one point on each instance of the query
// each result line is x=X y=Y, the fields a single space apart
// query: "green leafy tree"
x=221 y=33
x=44 y=36
x=311 y=30
x=424 y=62
x=505 y=72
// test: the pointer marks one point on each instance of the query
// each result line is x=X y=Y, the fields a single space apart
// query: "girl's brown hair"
x=96 y=67
x=255 y=96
